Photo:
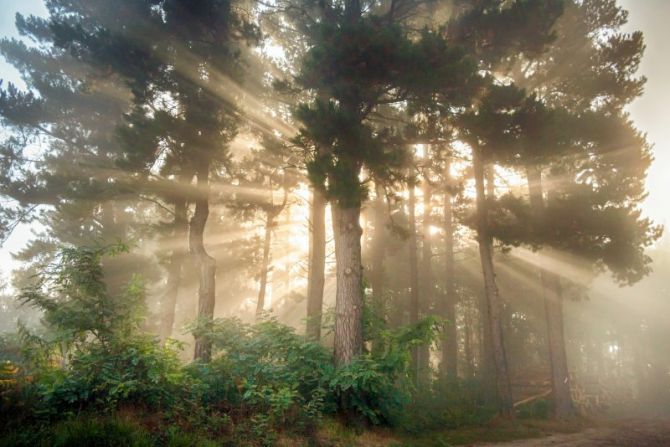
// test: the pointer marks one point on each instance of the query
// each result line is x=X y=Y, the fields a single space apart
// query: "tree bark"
x=449 y=367
x=348 y=337
x=265 y=266
x=377 y=255
x=377 y=249
x=468 y=370
x=176 y=262
x=486 y=345
x=413 y=275
x=563 y=406
x=317 y=265
x=493 y=299
x=426 y=281
x=205 y=263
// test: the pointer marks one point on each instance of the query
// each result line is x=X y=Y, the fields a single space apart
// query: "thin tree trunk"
x=413 y=275
x=493 y=299
x=205 y=263
x=486 y=345
x=348 y=337
x=553 y=304
x=449 y=367
x=317 y=264
x=377 y=261
x=427 y=287
x=467 y=346
x=377 y=256
x=176 y=262
x=560 y=375
x=265 y=266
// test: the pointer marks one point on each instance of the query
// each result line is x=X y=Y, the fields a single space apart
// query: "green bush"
x=264 y=369
x=377 y=385
x=263 y=379
x=135 y=370
x=94 y=352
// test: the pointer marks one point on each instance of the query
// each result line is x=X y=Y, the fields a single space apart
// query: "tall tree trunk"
x=265 y=266
x=563 y=406
x=486 y=345
x=317 y=264
x=468 y=371
x=377 y=259
x=176 y=262
x=348 y=337
x=413 y=275
x=493 y=299
x=205 y=263
x=449 y=367
x=427 y=287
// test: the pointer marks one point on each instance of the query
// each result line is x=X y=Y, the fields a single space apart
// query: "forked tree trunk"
x=348 y=336
x=563 y=406
x=413 y=276
x=493 y=299
x=176 y=262
x=205 y=263
x=317 y=265
x=449 y=367
x=265 y=266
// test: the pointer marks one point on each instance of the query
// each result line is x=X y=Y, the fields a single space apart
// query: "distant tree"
x=574 y=125
x=58 y=156
x=493 y=34
x=176 y=58
x=266 y=178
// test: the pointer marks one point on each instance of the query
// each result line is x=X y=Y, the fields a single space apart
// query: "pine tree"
x=157 y=57
x=363 y=61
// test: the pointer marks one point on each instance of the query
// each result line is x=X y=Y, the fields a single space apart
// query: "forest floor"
x=629 y=432
x=526 y=433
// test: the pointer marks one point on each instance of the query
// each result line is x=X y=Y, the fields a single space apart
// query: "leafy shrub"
x=265 y=369
x=377 y=385
x=263 y=378
x=94 y=352
x=135 y=370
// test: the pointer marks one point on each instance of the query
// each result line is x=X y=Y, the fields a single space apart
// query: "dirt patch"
x=633 y=433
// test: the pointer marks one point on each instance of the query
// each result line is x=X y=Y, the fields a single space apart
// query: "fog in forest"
x=247 y=223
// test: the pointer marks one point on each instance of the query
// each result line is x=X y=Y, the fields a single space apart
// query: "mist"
x=344 y=223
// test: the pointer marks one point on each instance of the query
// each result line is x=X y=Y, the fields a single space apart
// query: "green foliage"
x=265 y=369
x=94 y=353
x=133 y=371
x=450 y=404
x=75 y=300
x=377 y=385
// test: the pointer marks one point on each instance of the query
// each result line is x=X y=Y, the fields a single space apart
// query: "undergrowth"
x=92 y=362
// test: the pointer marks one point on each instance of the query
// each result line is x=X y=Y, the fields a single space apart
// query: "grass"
x=124 y=430
x=334 y=434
